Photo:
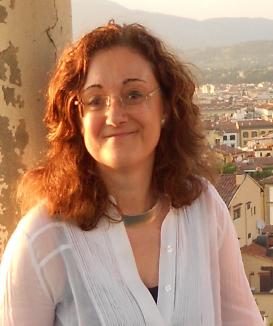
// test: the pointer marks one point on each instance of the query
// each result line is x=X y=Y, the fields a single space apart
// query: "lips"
x=120 y=134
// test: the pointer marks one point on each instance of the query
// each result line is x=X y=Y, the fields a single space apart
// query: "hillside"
x=181 y=33
x=225 y=50
x=250 y=62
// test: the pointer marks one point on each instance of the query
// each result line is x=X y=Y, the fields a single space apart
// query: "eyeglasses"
x=130 y=98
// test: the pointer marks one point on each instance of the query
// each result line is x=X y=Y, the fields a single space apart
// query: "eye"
x=134 y=96
x=96 y=101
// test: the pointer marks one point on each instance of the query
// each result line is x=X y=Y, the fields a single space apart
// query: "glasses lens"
x=133 y=97
x=94 y=102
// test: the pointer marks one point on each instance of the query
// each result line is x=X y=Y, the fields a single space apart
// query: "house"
x=267 y=184
x=253 y=128
x=258 y=268
x=263 y=152
x=253 y=164
x=244 y=198
x=266 y=110
x=262 y=145
x=222 y=133
x=230 y=133
x=231 y=154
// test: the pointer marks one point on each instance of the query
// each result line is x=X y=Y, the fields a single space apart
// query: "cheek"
x=91 y=126
x=91 y=129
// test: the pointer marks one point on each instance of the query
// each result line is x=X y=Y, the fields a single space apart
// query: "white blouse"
x=53 y=273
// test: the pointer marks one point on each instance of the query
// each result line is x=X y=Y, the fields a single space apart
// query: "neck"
x=146 y=217
x=132 y=190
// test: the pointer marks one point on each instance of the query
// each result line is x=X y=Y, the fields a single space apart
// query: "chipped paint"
x=3 y=238
x=9 y=57
x=11 y=98
x=28 y=50
x=10 y=143
x=3 y=15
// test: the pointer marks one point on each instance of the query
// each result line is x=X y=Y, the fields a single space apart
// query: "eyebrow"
x=126 y=81
x=93 y=86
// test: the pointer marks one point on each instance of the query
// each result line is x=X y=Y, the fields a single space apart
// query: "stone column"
x=32 y=34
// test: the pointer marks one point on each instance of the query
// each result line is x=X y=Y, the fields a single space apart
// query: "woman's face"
x=121 y=135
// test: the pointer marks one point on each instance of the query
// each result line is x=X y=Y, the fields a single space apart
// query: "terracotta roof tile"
x=256 y=251
x=246 y=124
x=228 y=149
x=268 y=229
x=268 y=180
x=226 y=186
x=254 y=163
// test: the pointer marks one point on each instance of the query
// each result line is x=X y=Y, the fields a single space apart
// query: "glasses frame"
x=109 y=99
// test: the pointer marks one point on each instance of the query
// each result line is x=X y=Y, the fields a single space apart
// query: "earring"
x=162 y=122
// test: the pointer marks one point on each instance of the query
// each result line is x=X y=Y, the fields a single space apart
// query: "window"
x=232 y=137
x=266 y=278
x=248 y=205
x=254 y=210
x=249 y=235
x=236 y=213
x=225 y=137
x=245 y=134
x=262 y=132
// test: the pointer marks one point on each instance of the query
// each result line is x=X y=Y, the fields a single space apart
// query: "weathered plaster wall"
x=32 y=35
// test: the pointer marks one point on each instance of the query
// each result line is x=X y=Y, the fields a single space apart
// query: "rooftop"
x=268 y=180
x=228 y=149
x=226 y=186
x=256 y=251
x=254 y=163
x=246 y=124
x=225 y=126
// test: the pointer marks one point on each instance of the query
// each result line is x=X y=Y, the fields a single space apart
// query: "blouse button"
x=168 y=288
x=169 y=249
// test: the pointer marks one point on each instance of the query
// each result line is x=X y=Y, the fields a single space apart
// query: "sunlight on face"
x=120 y=135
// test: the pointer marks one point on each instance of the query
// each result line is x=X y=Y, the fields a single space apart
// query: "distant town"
x=239 y=126
x=238 y=120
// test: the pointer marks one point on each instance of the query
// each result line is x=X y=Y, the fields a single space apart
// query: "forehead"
x=111 y=67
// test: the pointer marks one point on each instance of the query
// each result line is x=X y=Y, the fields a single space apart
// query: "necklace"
x=149 y=215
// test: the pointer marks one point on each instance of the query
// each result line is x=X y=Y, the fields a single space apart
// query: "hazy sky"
x=202 y=9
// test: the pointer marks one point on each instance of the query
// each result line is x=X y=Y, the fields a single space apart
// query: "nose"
x=115 y=114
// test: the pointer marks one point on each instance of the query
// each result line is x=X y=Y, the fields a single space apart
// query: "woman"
x=125 y=229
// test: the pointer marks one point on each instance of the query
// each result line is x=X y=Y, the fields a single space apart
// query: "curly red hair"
x=68 y=178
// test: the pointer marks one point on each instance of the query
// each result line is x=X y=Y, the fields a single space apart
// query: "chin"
x=119 y=164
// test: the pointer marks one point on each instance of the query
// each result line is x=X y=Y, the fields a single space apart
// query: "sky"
x=203 y=9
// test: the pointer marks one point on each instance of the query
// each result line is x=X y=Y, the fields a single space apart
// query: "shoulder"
x=35 y=246
x=35 y=219
x=37 y=234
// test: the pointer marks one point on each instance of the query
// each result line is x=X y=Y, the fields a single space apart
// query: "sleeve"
x=24 y=299
x=238 y=306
